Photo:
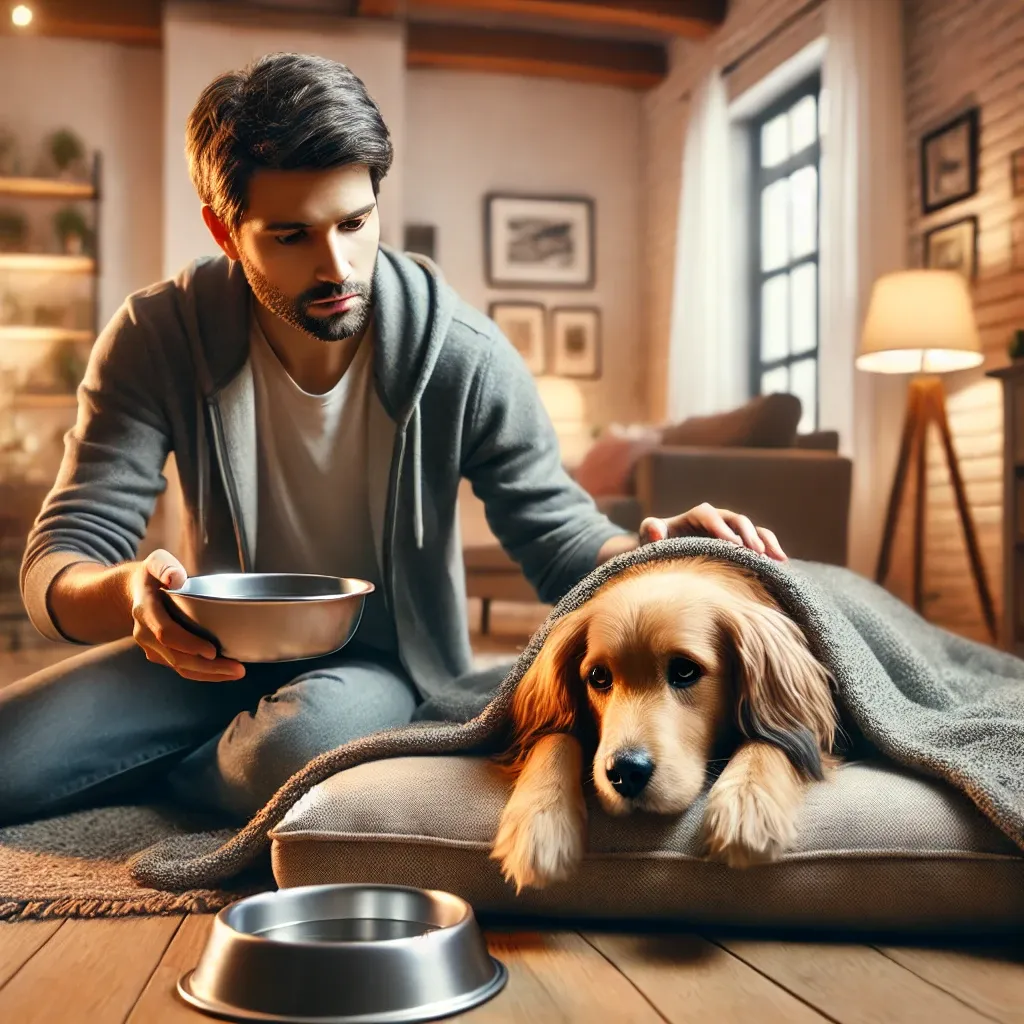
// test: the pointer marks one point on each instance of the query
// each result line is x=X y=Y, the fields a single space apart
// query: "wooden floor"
x=107 y=971
x=125 y=970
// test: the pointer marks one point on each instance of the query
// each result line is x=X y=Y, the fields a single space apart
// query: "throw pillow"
x=767 y=421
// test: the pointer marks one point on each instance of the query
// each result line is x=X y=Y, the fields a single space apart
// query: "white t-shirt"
x=313 y=513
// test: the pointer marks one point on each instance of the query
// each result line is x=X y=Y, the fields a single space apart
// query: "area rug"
x=76 y=865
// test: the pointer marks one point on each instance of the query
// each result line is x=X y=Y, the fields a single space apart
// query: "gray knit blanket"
x=937 y=703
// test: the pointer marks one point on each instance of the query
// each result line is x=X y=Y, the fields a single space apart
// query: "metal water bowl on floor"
x=344 y=954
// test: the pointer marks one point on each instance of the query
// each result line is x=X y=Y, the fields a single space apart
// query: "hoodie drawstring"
x=203 y=458
x=417 y=475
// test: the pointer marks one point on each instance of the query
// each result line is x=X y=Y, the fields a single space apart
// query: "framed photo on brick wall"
x=949 y=162
x=953 y=246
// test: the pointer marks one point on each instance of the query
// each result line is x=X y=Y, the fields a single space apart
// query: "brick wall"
x=961 y=53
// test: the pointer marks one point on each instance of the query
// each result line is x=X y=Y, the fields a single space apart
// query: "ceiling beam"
x=117 y=21
x=693 y=19
x=465 y=48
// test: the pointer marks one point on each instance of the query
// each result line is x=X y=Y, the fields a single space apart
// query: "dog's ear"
x=784 y=694
x=546 y=699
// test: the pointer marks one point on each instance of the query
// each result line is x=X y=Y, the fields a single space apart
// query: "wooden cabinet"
x=1012 y=632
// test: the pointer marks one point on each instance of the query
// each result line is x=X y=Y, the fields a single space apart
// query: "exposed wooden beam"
x=117 y=21
x=694 y=19
x=462 y=47
x=378 y=8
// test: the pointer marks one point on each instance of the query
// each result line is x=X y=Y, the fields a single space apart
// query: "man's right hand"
x=162 y=639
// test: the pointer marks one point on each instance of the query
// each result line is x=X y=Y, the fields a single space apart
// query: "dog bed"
x=878 y=849
x=938 y=706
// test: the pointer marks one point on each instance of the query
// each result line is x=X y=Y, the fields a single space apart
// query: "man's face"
x=308 y=245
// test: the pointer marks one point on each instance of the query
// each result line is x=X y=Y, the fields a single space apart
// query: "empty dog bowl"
x=271 y=616
x=343 y=954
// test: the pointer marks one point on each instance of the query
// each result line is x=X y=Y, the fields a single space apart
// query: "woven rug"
x=76 y=865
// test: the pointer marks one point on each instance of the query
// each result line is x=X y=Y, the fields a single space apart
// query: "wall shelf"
x=47 y=263
x=18 y=333
x=47 y=188
x=28 y=400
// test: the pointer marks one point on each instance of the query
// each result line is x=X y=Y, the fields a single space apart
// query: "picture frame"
x=421 y=239
x=1017 y=172
x=539 y=241
x=576 y=342
x=949 y=162
x=953 y=246
x=525 y=325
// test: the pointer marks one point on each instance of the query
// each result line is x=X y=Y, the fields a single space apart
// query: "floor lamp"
x=921 y=322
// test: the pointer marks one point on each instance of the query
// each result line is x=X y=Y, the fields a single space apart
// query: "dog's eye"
x=682 y=672
x=599 y=677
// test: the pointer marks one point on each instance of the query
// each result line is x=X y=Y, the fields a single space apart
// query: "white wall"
x=201 y=42
x=110 y=95
x=468 y=134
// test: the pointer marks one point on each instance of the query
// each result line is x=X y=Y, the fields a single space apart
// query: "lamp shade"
x=919 y=321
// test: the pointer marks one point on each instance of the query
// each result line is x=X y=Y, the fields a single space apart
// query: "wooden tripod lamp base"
x=926 y=403
x=922 y=322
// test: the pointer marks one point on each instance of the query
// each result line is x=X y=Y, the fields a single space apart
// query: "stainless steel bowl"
x=270 y=616
x=343 y=954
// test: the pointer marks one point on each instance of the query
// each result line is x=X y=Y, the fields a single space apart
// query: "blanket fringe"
x=78 y=907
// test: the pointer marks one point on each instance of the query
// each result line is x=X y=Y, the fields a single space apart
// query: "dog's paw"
x=747 y=824
x=537 y=846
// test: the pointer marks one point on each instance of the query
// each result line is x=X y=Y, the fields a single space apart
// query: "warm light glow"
x=920 y=321
x=21 y=15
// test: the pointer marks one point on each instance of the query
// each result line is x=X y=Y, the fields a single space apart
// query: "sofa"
x=750 y=460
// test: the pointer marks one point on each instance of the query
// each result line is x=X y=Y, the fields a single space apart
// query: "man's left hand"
x=707 y=521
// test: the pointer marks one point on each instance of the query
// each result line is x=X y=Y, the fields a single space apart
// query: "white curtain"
x=863 y=235
x=707 y=356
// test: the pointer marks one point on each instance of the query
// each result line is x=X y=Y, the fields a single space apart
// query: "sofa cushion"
x=878 y=848
x=767 y=421
x=607 y=468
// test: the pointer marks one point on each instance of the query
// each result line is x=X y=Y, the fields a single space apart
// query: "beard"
x=336 y=327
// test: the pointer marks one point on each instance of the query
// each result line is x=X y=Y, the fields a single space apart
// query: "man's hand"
x=707 y=521
x=162 y=639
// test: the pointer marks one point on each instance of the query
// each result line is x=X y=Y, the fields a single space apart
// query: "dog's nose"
x=629 y=771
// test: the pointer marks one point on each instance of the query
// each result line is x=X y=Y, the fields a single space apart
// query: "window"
x=784 y=249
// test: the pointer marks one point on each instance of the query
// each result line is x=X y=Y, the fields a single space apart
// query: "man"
x=322 y=397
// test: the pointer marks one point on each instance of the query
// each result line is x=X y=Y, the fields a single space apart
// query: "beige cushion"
x=767 y=421
x=877 y=848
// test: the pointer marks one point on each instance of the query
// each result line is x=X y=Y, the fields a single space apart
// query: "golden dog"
x=670 y=668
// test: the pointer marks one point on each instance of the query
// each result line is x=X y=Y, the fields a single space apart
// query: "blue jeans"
x=108 y=725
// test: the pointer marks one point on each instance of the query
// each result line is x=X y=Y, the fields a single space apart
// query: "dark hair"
x=285 y=111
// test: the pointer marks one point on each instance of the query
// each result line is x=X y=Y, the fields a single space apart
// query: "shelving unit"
x=20 y=498
x=1012 y=376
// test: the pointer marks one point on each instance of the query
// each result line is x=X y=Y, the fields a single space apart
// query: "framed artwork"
x=422 y=239
x=953 y=246
x=949 y=162
x=1017 y=172
x=576 y=342
x=539 y=241
x=523 y=324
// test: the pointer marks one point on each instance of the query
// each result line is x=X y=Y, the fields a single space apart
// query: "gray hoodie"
x=171 y=373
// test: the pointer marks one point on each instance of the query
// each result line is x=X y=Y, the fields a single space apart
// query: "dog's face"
x=655 y=674
x=670 y=662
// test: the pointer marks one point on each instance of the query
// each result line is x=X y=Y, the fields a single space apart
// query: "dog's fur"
x=762 y=706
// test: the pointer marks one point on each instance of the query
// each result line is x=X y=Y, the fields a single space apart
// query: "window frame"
x=760 y=179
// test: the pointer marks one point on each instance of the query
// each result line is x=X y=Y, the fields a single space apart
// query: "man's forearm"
x=617 y=546
x=92 y=603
